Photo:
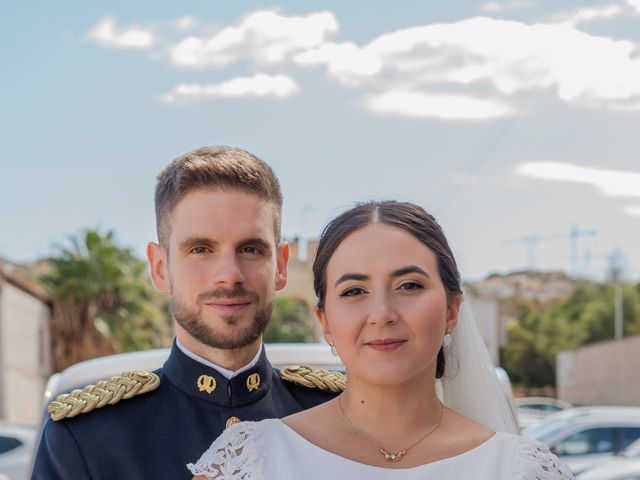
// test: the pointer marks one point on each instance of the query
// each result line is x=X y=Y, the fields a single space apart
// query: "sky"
x=514 y=122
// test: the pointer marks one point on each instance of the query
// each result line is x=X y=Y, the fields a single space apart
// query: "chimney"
x=294 y=250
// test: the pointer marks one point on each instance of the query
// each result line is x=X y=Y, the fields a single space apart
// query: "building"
x=25 y=364
x=602 y=373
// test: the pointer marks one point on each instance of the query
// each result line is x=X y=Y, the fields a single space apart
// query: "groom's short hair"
x=214 y=168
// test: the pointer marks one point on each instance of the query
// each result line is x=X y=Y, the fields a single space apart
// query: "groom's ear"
x=157 y=257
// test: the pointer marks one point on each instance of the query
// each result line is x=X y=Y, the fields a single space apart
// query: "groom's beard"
x=190 y=319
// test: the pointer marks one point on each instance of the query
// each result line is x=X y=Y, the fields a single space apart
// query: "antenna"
x=574 y=235
x=531 y=243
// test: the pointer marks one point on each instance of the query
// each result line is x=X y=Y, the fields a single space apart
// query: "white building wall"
x=25 y=352
x=604 y=373
x=485 y=311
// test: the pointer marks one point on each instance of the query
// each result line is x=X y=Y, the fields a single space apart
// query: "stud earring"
x=334 y=352
x=446 y=341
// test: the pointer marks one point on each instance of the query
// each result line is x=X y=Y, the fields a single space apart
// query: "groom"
x=221 y=259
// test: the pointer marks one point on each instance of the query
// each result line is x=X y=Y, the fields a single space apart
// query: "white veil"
x=470 y=385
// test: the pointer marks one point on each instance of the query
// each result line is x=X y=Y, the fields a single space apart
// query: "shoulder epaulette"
x=314 y=377
x=104 y=392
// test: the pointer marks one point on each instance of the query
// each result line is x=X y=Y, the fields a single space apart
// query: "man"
x=221 y=259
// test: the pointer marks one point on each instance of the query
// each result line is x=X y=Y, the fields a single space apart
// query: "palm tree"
x=102 y=301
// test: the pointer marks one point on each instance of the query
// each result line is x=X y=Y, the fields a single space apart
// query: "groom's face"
x=223 y=266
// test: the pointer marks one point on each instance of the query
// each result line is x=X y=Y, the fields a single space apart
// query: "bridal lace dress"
x=271 y=450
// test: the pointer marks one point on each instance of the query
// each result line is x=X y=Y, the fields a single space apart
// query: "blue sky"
x=506 y=119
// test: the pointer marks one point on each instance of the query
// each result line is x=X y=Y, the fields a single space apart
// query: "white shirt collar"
x=228 y=374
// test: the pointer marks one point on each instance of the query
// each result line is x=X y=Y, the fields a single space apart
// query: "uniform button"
x=232 y=421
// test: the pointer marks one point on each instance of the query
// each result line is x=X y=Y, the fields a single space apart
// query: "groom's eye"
x=251 y=250
x=199 y=250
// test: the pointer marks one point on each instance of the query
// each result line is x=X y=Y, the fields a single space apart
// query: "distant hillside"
x=545 y=287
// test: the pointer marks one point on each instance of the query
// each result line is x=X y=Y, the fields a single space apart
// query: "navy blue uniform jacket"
x=154 y=435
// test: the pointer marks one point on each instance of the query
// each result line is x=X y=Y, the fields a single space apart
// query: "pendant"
x=392 y=457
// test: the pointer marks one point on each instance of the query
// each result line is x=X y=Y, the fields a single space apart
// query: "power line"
x=445 y=197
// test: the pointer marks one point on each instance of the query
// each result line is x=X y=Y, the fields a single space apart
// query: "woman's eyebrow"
x=351 y=276
x=409 y=269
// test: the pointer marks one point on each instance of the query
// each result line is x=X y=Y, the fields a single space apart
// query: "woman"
x=389 y=298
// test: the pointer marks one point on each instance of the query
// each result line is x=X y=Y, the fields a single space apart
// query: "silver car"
x=587 y=436
x=16 y=445
x=625 y=466
x=532 y=410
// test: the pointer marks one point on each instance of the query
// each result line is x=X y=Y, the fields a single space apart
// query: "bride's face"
x=386 y=308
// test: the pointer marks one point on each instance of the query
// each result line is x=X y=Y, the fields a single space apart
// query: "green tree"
x=289 y=322
x=102 y=301
x=542 y=331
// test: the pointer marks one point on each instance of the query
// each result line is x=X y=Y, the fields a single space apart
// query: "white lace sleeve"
x=536 y=462
x=237 y=454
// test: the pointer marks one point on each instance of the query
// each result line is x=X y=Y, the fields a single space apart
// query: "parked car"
x=16 y=445
x=587 y=436
x=624 y=466
x=532 y=410
x=83 y=373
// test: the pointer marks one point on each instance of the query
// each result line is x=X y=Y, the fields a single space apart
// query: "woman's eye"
x=410 y=286
x=352 y=292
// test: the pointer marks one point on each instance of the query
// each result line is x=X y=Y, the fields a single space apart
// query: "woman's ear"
x=453 y=310
x=322 y=318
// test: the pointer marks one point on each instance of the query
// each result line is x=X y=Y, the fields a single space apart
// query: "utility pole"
x=573 y=236
x=616 y=277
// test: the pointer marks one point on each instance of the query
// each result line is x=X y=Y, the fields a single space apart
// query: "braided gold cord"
x=104 y=392
x=315 y=378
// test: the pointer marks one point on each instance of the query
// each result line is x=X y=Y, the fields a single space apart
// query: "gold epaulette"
x=104 y=392
x=315 y=378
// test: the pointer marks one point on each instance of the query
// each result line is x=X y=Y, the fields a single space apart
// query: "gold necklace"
x=389 y=457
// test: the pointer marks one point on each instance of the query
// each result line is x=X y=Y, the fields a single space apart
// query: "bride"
x=422 y=399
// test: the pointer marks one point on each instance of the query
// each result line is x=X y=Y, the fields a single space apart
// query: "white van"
x=90 y=371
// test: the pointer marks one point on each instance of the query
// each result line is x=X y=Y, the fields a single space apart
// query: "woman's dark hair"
x=406 y=216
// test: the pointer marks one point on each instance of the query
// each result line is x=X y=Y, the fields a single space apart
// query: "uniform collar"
x=223 y=371
x=208 y=384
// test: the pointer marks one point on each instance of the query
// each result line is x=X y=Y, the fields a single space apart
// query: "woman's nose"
x=382 y=311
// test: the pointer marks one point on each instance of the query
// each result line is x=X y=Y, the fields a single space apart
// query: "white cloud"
x=612 y=183
x=260 y=85
x=588 y=15
x=106 y=33
x=346 y=61
x=598 y=13
x=635 y=4
x=509 y=56
x=478 y=64
x=494 y=7
x=264 y=37
x=185 y=23
x=440 y=106
x=633 y=210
